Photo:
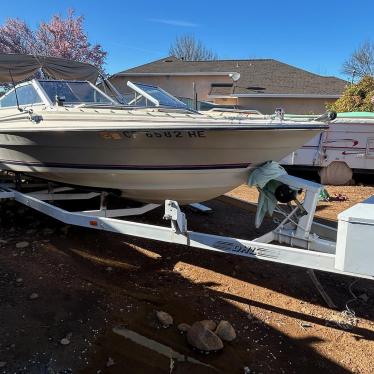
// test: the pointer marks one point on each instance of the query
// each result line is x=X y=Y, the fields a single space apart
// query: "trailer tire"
x=337 y=173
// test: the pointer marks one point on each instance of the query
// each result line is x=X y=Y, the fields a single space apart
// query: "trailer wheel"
x=337 y=173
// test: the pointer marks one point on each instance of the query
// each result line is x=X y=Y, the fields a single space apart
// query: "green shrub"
x=357 y=97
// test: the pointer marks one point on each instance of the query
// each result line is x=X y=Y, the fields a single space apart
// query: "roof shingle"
x=257 y=76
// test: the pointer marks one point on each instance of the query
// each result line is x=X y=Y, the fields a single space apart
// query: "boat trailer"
x=297 y=240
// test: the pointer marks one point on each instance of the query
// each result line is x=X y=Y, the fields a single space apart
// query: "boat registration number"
x=109 y=135
x=170 y=134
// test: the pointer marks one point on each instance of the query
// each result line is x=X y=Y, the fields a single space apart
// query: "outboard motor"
x=285 y=194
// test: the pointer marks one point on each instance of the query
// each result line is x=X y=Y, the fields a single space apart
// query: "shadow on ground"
x=88 y=282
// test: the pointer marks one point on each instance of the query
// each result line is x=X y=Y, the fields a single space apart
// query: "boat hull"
x=149 y=166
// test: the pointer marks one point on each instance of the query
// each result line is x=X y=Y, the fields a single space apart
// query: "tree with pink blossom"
x=57 y=38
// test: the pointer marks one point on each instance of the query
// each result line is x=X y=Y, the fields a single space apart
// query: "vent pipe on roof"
x=234 y=76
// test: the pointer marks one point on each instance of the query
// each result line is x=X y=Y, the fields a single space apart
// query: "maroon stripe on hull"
x=126 y=167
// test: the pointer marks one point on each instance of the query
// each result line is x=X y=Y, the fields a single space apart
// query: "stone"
x=34 y=296
x=183 y=327
x=209 y=324
x=110 y=362
x=65 y=341
x=306 y=324
x=164 y=318
x=19 y=280
x=225 y=331
x=20 y=245
x=203 y=339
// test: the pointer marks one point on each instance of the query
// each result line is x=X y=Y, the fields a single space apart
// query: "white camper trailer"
x=346 y=147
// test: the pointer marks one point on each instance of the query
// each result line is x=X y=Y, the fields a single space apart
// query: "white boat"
x=347 y=147
x=71 y=132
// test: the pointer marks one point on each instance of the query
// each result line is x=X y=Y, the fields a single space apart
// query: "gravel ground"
x=63 y=289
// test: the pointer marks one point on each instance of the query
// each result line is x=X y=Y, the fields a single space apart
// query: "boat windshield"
x=73 y=92
x=148 y=95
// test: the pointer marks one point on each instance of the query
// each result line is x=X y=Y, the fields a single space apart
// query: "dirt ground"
x=326 y=209
x=78 y=284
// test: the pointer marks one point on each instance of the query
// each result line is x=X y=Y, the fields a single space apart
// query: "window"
x=155 y=94
x=221 y=89
x=74 y=92
x=8 y=100
x=27 y=95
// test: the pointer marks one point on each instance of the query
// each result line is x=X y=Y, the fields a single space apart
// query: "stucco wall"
x=296 y=106
x=181 y=86
x=268 y=105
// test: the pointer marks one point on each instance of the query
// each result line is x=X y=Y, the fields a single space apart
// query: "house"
x=261 y=84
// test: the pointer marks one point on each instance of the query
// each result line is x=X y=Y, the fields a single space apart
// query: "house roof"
x=257 y=76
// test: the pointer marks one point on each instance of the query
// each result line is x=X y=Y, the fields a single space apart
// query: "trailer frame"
x=309 y=244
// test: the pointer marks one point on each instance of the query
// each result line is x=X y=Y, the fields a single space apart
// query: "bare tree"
x=187 y=47
x=361 y=62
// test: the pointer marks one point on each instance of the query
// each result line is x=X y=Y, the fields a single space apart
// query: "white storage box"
x=355 y=241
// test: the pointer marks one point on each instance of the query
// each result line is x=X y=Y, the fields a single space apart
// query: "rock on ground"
x=20 y=245
x=164 y=318
x=203 y=339
x=65 y=341
x=34 y=296
x=225 y=331
x=183 y=327
x=110 y=362
x=209 y=324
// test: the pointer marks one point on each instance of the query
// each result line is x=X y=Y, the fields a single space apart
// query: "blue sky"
x=314 y=35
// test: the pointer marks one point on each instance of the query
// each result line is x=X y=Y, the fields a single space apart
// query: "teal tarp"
x=263 y=178
x=356 y=115
x=310 y=117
